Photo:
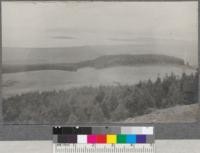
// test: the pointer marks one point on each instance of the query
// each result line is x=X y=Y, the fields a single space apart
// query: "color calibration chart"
x=112 y=139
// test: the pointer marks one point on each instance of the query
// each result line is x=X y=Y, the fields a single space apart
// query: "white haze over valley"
x=133 y=27
x=70 y=32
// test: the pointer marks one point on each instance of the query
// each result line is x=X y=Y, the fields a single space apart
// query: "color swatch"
x=84 y=135
x=111 y=139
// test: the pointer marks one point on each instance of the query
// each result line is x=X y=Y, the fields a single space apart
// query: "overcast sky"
x=167 y=26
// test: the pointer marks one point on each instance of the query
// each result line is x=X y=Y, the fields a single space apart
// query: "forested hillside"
x=101 y=104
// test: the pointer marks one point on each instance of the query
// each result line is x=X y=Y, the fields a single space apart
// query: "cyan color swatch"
x=131 y=139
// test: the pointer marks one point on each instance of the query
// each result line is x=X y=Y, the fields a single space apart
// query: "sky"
x=67 y=24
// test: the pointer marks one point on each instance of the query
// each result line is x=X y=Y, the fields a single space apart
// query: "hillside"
x=131 y=60
x=185 y=113
x=100 y=62
x=109 y=103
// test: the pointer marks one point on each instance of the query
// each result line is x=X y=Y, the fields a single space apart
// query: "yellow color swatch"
x=111 y=139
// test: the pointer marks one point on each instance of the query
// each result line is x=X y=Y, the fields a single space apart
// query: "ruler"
x=102 y=148
x=127 y=139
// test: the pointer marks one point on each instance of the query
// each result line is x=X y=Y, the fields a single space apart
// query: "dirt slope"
x=186 y=113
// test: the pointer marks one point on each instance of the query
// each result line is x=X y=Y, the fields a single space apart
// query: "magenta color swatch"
x=91 y=139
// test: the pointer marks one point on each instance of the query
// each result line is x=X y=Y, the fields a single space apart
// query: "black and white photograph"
x=99 y=62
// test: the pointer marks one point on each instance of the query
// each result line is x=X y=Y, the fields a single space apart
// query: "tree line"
x=103 y=103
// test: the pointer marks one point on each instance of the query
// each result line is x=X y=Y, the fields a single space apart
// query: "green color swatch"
x=121 y=138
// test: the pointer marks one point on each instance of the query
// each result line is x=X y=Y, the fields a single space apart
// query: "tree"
x=175 y=95
x=120 y=113
x=96 y=114
x=158 y=92
x=100 y=96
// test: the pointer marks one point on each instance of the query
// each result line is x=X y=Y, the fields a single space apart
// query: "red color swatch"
x=101 y=138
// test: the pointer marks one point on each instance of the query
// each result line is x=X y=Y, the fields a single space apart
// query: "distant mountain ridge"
x=101 y=62
x=130 y=60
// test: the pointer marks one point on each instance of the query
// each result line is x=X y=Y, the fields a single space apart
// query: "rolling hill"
x=100 y=63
